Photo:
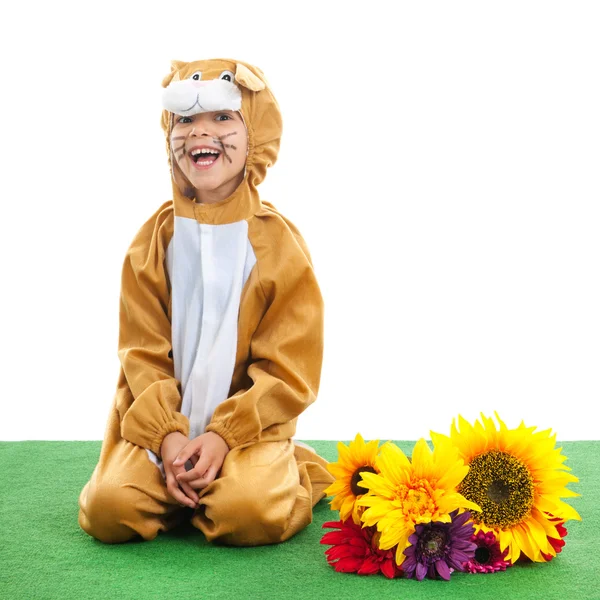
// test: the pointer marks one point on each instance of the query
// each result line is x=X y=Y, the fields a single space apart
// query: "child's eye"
x=181 y=120
x=223 y=115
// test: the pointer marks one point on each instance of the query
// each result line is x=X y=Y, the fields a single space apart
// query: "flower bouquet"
x=484 y=498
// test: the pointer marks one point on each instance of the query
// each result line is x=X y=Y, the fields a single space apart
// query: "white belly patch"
x=208 y=266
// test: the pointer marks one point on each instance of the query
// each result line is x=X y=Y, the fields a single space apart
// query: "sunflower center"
x=498 y=491
x=502 y=486
x=356 y=477
x=483 y=555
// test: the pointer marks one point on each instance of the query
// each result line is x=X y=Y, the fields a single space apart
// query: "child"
x=220 y=337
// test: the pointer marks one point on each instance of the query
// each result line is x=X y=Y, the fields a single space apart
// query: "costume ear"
x=248 y=79
x=263 y=77
x=174 y=74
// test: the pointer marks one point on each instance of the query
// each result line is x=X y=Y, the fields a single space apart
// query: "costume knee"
x=258 y=499
x=108 y=512
x=121 y=505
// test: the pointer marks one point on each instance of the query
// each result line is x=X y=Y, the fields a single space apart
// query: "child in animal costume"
x=220 y=337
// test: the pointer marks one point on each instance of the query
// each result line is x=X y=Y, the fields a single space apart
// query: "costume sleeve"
x=150 y=401
x=286 y=351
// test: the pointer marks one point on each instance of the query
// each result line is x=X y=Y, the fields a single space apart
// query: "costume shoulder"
x=154 y=235
x=286 y=225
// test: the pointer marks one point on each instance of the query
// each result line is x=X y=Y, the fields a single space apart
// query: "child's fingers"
x=206 y=479
x=197 y=471
x=190 y=448
x=184 y=485
x=187 y=488
x=176 y=493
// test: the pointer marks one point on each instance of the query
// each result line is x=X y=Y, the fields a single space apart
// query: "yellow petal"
x=377 y=484
x=393 y=536
x=375 y=513
x=338 y=471
x=422 y=459
x=394 y=464
x=521 y=536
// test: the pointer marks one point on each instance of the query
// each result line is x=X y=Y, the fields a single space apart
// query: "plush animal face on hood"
x=225 y=84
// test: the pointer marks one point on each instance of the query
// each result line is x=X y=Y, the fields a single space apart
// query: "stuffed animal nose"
x=199 y=83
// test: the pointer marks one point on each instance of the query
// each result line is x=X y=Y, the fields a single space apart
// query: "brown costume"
x=221 y=329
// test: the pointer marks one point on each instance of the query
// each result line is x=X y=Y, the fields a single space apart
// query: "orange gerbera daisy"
x=407 y=493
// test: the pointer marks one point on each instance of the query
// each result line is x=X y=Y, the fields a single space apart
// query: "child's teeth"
x=205 y=163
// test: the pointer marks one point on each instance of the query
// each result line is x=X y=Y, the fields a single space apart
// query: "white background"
x=441 y=160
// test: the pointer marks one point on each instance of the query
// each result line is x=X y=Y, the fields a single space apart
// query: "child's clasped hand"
x=206 y=452
x=210 y=450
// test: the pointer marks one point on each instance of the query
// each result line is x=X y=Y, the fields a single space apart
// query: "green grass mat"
x=45 y=555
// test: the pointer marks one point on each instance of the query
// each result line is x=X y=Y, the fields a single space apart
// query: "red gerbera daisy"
x=355 y=550
x=488 y=556
x=556 y=544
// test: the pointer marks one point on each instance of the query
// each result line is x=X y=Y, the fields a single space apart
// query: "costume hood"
x=224 y=84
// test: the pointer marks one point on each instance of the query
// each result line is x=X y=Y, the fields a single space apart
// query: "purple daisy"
x=440 y=547
x=488 y=557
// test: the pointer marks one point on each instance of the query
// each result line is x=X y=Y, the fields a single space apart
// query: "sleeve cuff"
x=219 y=428
x=156 y=443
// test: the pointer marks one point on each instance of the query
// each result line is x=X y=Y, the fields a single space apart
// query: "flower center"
x=482 y=555
x=416 y=501
x=502 y=486
x=498 y=491
x=433 y=543
x=356 y=477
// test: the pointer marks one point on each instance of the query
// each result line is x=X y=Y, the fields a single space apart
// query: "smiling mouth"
x=204 y=160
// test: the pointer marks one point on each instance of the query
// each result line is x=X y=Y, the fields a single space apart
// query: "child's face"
x=223 y=131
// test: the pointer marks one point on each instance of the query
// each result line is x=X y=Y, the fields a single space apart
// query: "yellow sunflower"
x=353 y=460
x=407 y=493
x=517 y=477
